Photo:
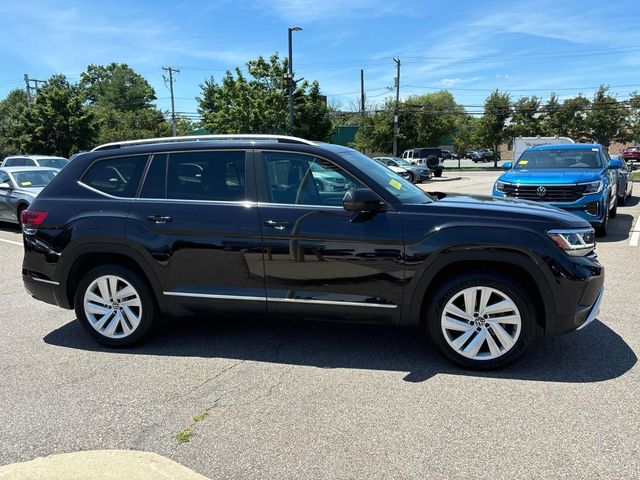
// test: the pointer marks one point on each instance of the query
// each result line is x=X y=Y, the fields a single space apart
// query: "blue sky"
x=469 y=47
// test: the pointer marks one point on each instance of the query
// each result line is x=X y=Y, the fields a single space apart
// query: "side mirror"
x=5 y=186
x=615 y=164
x=361 y=200
x=507 y=165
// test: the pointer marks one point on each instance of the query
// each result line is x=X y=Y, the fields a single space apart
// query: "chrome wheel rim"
x=112 y=306
x=481 y=323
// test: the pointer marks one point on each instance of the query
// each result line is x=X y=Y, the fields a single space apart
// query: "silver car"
x=19 y=186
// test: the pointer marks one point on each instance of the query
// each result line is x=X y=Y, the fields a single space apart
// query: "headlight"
x=576 y=243
x=500 y=186
x=592 y=187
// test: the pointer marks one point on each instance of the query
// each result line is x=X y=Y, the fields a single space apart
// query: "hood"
x=484 y=208
x=551 y=176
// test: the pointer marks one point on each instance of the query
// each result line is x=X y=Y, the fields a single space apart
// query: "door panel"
x=204 y=243
x=320 y=260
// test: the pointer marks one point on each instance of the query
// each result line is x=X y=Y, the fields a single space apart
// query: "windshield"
x=559 y=158
x=402 y=162
x=403 y=190
x=53 y=162
x=33 y=178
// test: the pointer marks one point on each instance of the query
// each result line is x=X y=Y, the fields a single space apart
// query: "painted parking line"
x=635 y=233
x=12 y=242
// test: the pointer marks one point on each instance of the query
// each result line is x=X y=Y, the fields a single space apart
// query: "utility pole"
x=290 y=82
x=173 y=108
x=362 y=92
x=28 y=82
x=396 y=112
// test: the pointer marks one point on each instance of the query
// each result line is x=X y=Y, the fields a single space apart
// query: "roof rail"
x=196 y=138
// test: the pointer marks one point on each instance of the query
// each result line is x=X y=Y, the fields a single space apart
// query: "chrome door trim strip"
x=286 y=300
x=331 y=302
x=50 y=282
x=214 y=296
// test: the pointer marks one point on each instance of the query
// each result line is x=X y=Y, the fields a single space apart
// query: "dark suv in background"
x=237 y=224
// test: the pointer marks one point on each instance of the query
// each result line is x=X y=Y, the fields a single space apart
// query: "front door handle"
x=277 y=224
x=159 y=218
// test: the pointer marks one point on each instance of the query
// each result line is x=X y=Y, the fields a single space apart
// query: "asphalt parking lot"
x=294 y=400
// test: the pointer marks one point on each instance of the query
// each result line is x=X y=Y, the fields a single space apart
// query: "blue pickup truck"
x=580 y=178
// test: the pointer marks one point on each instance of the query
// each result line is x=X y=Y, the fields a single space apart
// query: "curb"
x=99 y=464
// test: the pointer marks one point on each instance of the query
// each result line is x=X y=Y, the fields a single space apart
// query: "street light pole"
x=290 y=82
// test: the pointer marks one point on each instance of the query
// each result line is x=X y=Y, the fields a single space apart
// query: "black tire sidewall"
x=504 y=284
x=148 y=305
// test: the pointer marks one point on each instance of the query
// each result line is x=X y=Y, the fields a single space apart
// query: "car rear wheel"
x=481 y=321
x=438 y=173
x=412 y=177
x=114 y=305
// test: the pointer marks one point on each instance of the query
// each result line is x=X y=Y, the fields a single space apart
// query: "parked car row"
x=239 y=223
x=433 y=158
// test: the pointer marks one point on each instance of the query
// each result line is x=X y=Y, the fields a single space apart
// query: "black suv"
x=236 y=224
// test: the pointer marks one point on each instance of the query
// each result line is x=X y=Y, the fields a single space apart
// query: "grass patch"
x=635 y=176
x=186 y=433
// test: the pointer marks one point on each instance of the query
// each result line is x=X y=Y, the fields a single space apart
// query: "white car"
x=403 y=172
x=35 y=161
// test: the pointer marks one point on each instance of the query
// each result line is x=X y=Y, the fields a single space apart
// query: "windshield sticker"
x=523 y=162
x=395 y=184
x=25 y=184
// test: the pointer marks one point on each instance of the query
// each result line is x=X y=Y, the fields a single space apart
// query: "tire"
x=623 y=199
x=320 y=186
x=93 y=297
x=432 y=162
x=601 y=230
x=437 y=173
x=412 y=177
x=489 y=343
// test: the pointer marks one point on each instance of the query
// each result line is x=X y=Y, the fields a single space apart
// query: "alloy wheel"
x=481 y=323
x=113 y=306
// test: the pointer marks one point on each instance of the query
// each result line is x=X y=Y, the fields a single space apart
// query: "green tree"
x=57 y=121
x=375 y=131
x=607 y=120
x=490 y=130
x=464 y=137
x=428 y=119
x=13 y=134
x=526 y=121
x=257 y=102
x=570 y=119
x=634 y=117
x=116 y=86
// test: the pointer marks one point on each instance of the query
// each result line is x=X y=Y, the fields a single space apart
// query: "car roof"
x=37 y=157
x=565 y=146
x=216 y=144
x=27 y=169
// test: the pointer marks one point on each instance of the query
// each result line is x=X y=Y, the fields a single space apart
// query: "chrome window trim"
x=283 y=300
x=299 y=205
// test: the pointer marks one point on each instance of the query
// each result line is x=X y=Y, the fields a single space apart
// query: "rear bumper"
x=42 y=289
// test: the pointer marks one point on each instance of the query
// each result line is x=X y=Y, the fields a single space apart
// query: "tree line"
x=427 y=120
x=114 y=103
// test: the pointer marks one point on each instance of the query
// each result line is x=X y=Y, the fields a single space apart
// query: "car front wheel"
x=481 y=321
x=114 y=305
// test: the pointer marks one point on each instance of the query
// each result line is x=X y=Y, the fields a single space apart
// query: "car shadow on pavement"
x=619 y=228
x=594 y=354
x=10 y=227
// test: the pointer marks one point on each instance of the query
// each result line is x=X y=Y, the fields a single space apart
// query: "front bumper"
x=595 y=310
x=590 y=207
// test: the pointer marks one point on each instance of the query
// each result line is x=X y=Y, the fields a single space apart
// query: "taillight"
x=32 y=219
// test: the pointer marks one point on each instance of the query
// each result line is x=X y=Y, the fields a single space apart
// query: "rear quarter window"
x=118 y=176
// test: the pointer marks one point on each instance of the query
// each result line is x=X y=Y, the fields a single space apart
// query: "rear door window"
x=117 y=176
x=210 y=176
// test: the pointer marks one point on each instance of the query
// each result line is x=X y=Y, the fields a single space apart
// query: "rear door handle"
x=277 y=224
x=159 y=218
